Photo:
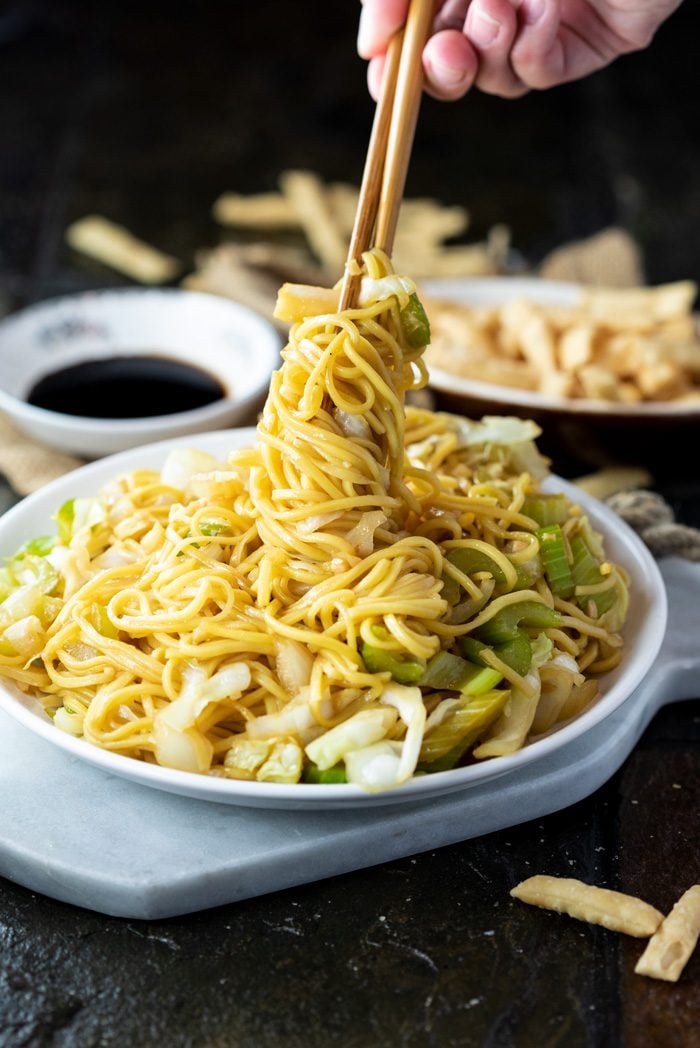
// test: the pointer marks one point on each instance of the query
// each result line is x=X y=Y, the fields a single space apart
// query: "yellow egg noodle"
x=367 y=593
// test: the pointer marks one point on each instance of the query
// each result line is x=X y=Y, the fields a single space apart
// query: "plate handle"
x=675 y=675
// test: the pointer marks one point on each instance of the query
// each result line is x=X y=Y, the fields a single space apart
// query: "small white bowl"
x=228 y=341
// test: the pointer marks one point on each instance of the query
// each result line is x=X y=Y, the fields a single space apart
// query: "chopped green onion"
x=213 y=527
x=556 y=564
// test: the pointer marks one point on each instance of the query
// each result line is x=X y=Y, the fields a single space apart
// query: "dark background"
x=145 y=112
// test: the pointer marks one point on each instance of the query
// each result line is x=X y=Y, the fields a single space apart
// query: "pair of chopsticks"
x=389 y=150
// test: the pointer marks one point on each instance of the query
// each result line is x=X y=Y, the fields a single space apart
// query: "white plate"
x=496 y=291
x=644 y=633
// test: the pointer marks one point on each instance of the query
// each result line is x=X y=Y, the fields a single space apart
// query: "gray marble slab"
x=101 y=842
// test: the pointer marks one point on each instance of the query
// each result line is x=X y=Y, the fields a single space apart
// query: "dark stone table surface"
x=146 y=112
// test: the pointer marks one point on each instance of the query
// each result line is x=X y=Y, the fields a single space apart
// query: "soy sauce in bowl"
x=123 y=387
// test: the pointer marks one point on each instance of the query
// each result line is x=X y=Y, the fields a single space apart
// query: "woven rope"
x=652 y=518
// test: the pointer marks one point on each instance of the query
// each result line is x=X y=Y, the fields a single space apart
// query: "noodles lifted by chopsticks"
x=365 y=593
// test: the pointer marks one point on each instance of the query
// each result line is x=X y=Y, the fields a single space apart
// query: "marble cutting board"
x=81 y=836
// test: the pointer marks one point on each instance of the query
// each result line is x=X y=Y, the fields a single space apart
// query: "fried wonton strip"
x=585 y=902
x=116 y=247
x=257 y=211
x=305 y=194
x=669 y=949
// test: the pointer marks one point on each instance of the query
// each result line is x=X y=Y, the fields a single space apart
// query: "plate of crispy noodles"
x=356 y=603
x=611 y=374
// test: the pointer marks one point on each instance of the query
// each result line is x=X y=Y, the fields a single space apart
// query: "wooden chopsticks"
x=389 y=150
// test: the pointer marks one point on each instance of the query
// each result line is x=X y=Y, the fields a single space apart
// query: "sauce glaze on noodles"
x=218 y=624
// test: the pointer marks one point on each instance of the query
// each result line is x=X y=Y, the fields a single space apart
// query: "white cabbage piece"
x=70 y=717
x=356 y=732
x=294 y=663
x=511 y=729
x=542 y=648
x=178 y=742
x=362 y=535
x=614 y=618
x=495 y=429
x=353 y=425
x=21 y=602
x=296 y=718
x=283 y=764
x=26 y=635
x=184 y=463
x=377 y=290
x=375 y=767
x=558 y=677
x=87 y=513
x=245 y=756
x=389 y=763
x=409 y=703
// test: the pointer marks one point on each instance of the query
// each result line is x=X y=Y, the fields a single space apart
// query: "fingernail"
x=482 y=28
x=534 y=9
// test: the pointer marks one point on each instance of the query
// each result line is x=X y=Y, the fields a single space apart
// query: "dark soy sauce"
x=126 y=387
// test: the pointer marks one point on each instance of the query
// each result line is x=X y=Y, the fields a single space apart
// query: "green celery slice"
x=556 y=565
x=453 y=673
x=528 y=614
x=546 y=509
x=403 y=669
x=469 y=560
x=586 y=572
x=449 y=741
x=516 y=652
x=327 y=777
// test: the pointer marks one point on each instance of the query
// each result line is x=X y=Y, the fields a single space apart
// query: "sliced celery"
x=586 y=572
x=505 y=624
x=403 y=668
x=451 y=589
x=414 y=323
x=447 y=743
x=327 y=777
x=556 y=564
x=469 y=560
x=516 y=652
x=453 y=673
x=546 y=509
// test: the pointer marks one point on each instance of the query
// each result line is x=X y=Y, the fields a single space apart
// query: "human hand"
x=508 y=47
